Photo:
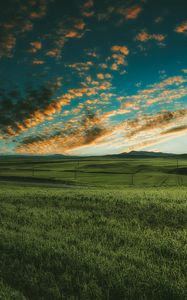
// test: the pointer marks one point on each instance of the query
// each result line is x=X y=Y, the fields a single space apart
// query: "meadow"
x=93 y=244
x=105 y=238
x=99 y=171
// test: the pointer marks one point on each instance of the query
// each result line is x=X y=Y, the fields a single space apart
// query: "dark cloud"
x=17 y=18
x=153 y=122
x=18 y=109
x=70 y=136
x=175 y=129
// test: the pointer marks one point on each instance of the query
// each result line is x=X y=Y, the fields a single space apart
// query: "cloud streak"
x=87 y=131
x=164 y=92
x=20 y=112
x=182 y=28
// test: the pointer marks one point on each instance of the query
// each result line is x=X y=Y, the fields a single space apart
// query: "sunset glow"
x=93 y=77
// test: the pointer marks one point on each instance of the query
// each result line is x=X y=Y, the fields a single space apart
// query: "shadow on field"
x=180 y=171
x=35 y=180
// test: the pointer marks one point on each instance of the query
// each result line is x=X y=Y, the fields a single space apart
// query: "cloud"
x=122 y=9
x=54 y=53
x=104 y=76
x=122 y=49
x=80 y=24
x=87 y=83
x=38 y=9
x=114 y=113
x=118 y=57
x=87 y=9
x=175 y=129
x=7 y=44
x=88 y=4
x=81 y=66
x=38 y=62
x=144 y=36
x=87 y=131
x=182 y=28
x=129 y=13
x=158 y=121
x=149 y=130
x=133 y=12
x=68 y=29
x=96 y=130
x=18 y=20
x=18 y=112
x=114 y=67
x=164 y=92
x=35 y=46
x=100 y=76
x=73 y=34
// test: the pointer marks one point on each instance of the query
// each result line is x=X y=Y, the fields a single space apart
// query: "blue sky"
x=93 y=77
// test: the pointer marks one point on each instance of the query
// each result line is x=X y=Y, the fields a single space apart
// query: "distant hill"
x=132 y=154
x=144 y=154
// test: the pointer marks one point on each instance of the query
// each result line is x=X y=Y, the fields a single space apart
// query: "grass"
x=97 y=171
x=115 y=243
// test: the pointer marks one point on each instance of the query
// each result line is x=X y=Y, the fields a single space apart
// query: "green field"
x=106 y=237
x=97 y=171
x=93 y=244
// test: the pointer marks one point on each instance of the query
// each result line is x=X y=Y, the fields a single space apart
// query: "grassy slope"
x=99 y=171
x=93 y=244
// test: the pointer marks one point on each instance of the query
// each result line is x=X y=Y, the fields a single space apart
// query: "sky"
x=92 y=77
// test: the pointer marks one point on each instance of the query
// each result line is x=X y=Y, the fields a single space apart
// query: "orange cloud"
x=114 y=113
x=72 y=34
x=170 y=89
x=144 y=36
x=19 y=22
x=120 y=60
x=133 y=12
x=7 y=45
x=122 y=49
x=88 y=14
x=129 y=13
x=103 y=66
x=95 y=130
x=114 y=67
x=119 y=56
x=37 y=45
x=38 y=62
x=54 y=52
x=108 y=76
x=182 y=28
x=80 y=25
x=159 y=121
x=87 y=9
x=103 y=76
x=86 y=132
x=100 y=76
x=73 y=29
x=175 y=129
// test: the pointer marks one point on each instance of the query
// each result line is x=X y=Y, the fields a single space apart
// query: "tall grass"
x=93 y=244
